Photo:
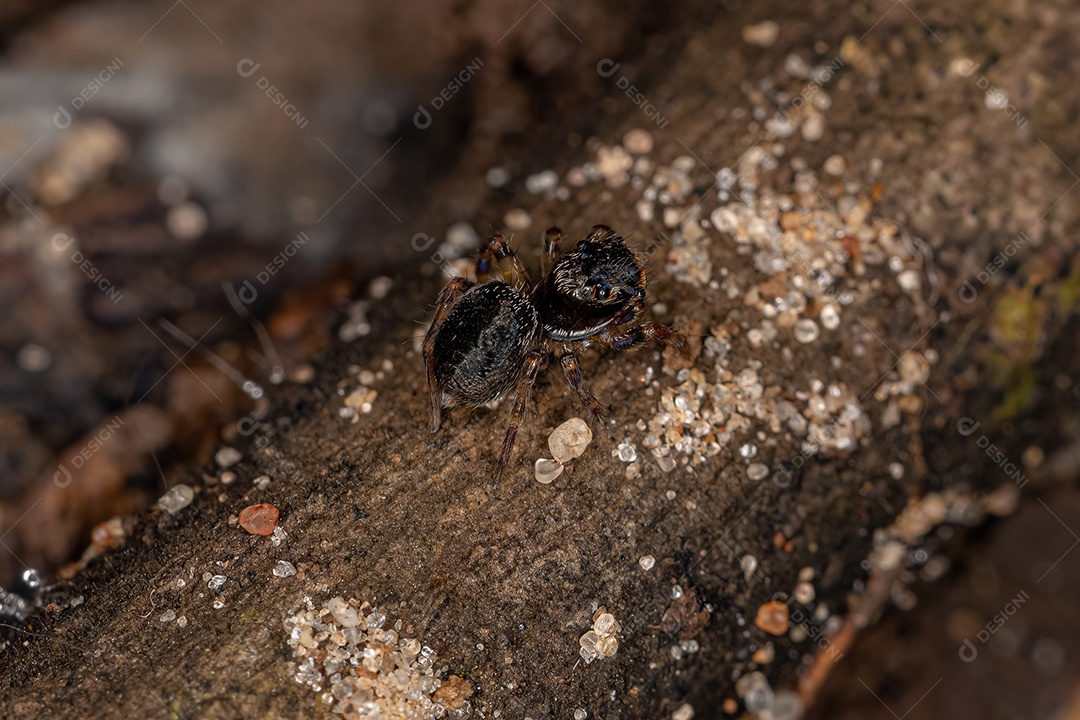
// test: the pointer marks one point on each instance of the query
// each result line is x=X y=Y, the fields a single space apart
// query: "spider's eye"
x=602 y=291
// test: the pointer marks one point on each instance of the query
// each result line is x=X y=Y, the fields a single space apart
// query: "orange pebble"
x=772 y=617
x=259 y=519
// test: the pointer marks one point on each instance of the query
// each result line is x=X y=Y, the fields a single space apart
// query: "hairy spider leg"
x=632 y=313
x=449 y=295
x=552 y=241
x=572 y=373
x=624 y=339
x=534 y=364
x=497 y=255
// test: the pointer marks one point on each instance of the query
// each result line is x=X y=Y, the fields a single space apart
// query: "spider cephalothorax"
x=492 y=336
x=597 y=284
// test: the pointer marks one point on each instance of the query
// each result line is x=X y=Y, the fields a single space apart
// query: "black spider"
x=494 y=335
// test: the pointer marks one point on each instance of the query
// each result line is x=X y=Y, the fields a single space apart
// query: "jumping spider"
x=495 y=335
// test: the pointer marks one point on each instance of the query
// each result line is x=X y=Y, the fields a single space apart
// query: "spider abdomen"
x=480 y=348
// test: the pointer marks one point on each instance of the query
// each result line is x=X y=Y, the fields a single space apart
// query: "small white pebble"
x=547 y=470
x=909 y=280
x=813 y=128
x=647 y=562
x=835 y=165
x=996 y=100
x=830 y=318
x=689 y=646
x=541 y=182
x=284 y=568
x=763 y=34
x=613 y=162
x=496 y=177
x=672 y=216
x=757 y=471
x=344 y=613
x=227 y=457
x=607 y=645
x=569 y=440
x=517 y=219
x=186 y=221
x=806 y=331
x=379 y=287
x=176 y=499
x=461 y=240
x=725 y=219
x=796 y=66
x=604 y=624
x=33 y=358
x=638 y=141
x=684 y=712
x=576 y=177
x=786 y=705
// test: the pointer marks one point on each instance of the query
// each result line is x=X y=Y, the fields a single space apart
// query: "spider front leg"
x=496 y=254
x=449 y=295
x=552 y=241
x=534 y=363
x=572 y=373
x=624 y=339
